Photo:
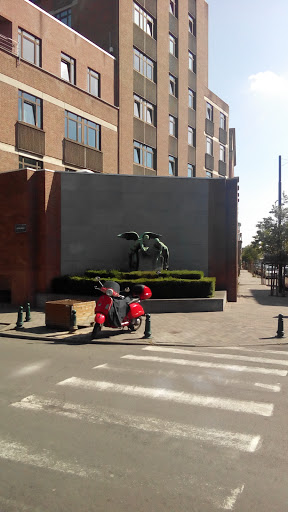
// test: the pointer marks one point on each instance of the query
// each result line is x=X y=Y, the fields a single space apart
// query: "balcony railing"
x=9 y=45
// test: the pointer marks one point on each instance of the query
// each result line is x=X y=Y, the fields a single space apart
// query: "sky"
x=248 y=69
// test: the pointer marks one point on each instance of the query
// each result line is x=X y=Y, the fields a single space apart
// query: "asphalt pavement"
x=252 y=320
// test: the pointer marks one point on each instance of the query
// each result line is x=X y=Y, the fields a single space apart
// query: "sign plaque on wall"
x=20 y=228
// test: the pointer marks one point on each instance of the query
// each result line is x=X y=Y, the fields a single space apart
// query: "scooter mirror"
x=127 y=290
x=97 y=278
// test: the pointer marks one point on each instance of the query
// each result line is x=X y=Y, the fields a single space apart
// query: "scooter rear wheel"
x=135 y=324
x=96 y=331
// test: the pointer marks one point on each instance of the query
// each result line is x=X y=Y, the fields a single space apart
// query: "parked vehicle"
x=115 y=310
x=270 y=271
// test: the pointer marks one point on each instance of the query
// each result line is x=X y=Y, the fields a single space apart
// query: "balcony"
x=82 y=156
x=8 y=45
x=29 y=138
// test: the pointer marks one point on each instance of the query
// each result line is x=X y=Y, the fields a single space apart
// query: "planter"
x=58 y=313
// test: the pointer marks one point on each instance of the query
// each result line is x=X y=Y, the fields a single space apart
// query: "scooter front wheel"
x=96 y=331
x=135 y=324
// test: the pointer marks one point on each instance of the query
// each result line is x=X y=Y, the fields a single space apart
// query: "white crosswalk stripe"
x=241 y=442
x=236 y=358
x=203 y=364
x=262 y=409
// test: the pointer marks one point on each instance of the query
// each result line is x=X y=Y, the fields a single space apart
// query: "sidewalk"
x=250 y=321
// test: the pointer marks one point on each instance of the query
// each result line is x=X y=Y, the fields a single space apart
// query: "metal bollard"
x=19 y=323
x=280 y=330
x=147 y=332
x=73 y=321
x=28 y=313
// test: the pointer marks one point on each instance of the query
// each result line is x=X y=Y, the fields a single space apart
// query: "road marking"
x=192 y=378
x=217 y=356
x=245 y=349
x=230 y=501
x=28 y=369
x=262 y=409
x=241 y=442
x=203 y=364
x=17 y=452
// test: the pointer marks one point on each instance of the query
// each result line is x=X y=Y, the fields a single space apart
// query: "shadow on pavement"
x=264 y=298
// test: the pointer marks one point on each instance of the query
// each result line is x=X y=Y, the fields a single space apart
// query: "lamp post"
x=280 y=284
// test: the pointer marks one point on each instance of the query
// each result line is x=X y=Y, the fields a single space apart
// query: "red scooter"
x=118 y=311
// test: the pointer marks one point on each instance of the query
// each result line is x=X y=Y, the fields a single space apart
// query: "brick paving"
x=252 y=320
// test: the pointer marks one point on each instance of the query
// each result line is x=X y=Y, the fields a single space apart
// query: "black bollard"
x=73 y=321
x=28 y=315
x=147 y=332
x=19 y=323
x=280 y=330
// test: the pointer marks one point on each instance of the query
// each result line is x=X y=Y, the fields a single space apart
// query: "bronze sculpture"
x=158 y=253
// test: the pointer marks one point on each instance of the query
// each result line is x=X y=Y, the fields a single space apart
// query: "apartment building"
x=170 y=123
x=56 y=95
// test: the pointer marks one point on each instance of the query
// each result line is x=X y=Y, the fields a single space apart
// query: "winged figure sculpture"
x=141 y=245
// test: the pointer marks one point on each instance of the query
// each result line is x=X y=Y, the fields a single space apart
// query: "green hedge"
x=162 y=288
x=116 y=274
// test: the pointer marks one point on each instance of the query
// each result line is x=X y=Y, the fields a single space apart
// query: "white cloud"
x=268 y=83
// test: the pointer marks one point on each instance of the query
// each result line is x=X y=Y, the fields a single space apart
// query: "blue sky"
x=248 y=68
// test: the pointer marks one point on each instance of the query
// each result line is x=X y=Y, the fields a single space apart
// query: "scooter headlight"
x=109 y=292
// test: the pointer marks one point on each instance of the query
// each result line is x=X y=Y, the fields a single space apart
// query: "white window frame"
x=209 y=111
x=143 y=20
x=68 y=65
x=191 y=99
x=222 y=153
x=172 y=166
x=143 y=64
x=172 y=126
x=191 y=61
x=144 y=110
x=191 y=136
x=223 y=121
x=191 y=24
x=191 y=171
x=173 y=7
x=172 y=45
x=209 y=146
x=93 y=77
x=144 y=154
x=25 y=38
x=172 y=85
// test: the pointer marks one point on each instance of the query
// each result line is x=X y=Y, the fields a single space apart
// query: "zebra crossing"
x=227 y=372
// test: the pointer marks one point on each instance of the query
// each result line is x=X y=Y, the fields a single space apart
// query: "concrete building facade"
x=170 y=123
x=52 y=114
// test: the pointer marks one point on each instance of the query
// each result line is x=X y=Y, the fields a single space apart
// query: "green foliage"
x=272 y=232
x=250 y=254
x=166 y=287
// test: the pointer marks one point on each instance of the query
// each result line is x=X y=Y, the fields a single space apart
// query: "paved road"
x=114 y=428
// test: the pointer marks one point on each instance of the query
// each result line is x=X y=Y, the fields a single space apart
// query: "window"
x=192 y=61
x=30 y=162
x=172 y=166
x=222 y=153
x=174 y=8
x=144 y=20
x=192 y=99
x=222 y=121
x=191 y=171
x=93 y=82
x=172 y=126
x=81 y=130
x=64 y=16
x=143 y=155
x=172 y=85
x=29 y=109
x=173 y=45
x=68 y=68
x=192 y=25
x=191 y=136
x=209 y=112
x=209 y=174
x=143 y=64
x=29 y=47
x=144 y=110
x=209 y=146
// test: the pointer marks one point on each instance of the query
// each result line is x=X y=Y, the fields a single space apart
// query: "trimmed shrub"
x=162 y=288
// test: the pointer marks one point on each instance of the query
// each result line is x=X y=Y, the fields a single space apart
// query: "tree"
x=272 y=232
x=250 y=254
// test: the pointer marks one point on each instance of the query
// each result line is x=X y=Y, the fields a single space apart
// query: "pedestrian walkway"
x=252 y=320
